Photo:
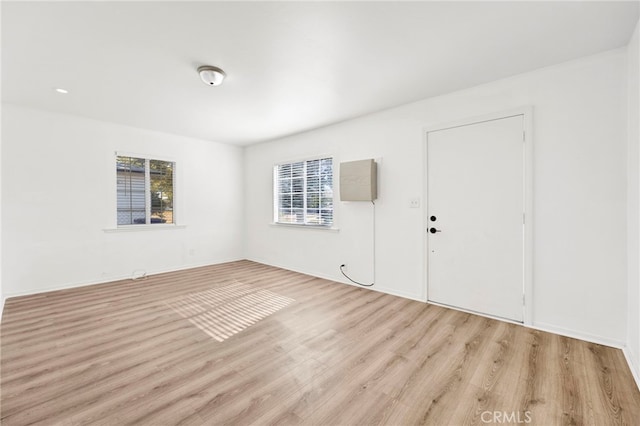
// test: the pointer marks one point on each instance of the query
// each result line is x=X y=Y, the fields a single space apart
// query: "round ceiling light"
x=211 y=76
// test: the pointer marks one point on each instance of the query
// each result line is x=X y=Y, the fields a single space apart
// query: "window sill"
x=133 y=228
x=310 y=227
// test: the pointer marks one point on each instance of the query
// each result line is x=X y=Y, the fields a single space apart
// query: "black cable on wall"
x=373 y=254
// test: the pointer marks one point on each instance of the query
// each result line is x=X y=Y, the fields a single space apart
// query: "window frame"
x=148 y=207
x=276 y=193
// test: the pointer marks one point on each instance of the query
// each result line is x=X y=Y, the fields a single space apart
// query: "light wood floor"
x=244 y=343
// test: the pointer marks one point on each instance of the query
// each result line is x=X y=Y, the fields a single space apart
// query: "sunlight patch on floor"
x=224 y=311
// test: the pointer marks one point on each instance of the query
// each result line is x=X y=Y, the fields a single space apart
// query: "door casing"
x=527 y=114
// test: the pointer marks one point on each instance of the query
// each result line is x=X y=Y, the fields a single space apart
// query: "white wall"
x=1 y=290
x=633 y=243
x=59 y=192
x=580 y=151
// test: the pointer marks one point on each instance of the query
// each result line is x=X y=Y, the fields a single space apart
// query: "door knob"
x=434 y=230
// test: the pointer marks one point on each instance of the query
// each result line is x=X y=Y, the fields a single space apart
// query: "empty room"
x=320 y=213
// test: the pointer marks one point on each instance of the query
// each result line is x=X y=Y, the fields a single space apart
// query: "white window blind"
x=145 y=190
x=303 y=192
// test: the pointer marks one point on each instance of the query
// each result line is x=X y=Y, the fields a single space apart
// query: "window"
x=145 y=191
x=303 y=192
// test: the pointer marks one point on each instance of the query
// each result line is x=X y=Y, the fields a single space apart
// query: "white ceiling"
x=291 y=66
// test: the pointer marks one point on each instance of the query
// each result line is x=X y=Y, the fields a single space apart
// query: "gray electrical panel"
x=359 y=180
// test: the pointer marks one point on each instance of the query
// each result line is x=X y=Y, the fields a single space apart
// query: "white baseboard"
x=275 y=265
x=600 y=340
x=480 y=314
x=547 y=328
x=394 y=292
x=116 y=278
x=634 y=371
x=340 y=280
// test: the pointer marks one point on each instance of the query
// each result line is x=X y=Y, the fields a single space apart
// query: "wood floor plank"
x=245 y=343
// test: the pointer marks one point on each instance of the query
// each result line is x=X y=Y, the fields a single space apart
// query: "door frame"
x=527 y=113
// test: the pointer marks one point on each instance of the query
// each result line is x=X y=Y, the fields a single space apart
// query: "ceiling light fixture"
x=63 y=91
x=211 y=76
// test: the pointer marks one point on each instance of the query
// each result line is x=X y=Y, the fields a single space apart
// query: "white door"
x=475 y=196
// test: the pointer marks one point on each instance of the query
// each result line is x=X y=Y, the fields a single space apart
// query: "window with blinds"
x=145 y=190
x=303 y=192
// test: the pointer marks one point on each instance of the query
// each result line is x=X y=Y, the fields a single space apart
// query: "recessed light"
x=63 y=91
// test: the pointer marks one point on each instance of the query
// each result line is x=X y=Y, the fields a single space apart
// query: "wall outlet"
x=414 y=203
x=343 y=266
